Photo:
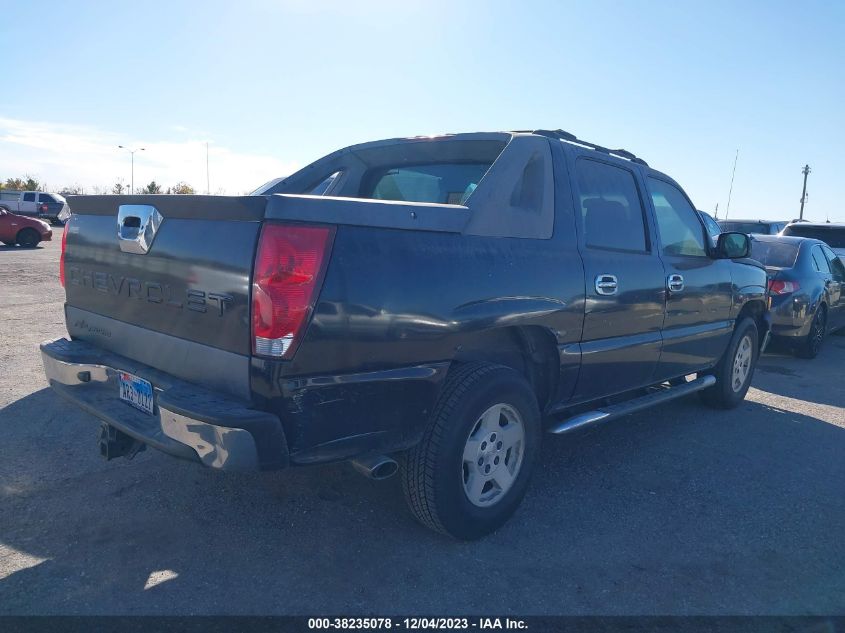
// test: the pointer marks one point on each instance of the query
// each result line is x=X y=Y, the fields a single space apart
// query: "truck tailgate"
x=165 y=280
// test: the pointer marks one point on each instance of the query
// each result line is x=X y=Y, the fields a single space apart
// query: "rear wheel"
x=471 y=470
x=28 y=238
x=811 y=345
x=735 y=369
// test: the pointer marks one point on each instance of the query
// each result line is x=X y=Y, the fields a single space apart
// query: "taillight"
x=289 y=268
x=783 y=287
x=62 y=257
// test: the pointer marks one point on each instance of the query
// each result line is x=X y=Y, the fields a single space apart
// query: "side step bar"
x=613 y=411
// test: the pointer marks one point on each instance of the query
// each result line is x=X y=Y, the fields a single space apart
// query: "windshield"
x=833 y=236
x=773 y=253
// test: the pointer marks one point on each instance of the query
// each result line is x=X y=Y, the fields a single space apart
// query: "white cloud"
x=62 y=155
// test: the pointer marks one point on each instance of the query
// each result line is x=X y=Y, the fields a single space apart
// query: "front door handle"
x=675 y=283
x=606 y=284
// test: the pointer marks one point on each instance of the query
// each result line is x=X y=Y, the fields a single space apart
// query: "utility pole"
x=806 y=171
x=717 y=211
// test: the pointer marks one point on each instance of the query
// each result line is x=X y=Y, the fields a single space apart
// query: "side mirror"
x=733 y=245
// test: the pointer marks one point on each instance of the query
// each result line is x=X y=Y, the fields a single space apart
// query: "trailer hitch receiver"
x=115 y=443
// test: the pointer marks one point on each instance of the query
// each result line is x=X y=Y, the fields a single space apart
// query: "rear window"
x=760 y=228
x=775 y=254
x=443 y=183
x=834 y=237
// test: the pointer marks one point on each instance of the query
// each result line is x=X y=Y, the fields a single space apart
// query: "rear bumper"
x=188 y=421
x=791 y=317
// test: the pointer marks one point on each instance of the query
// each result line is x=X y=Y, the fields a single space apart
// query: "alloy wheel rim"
x=493 y=455
x=742 y=364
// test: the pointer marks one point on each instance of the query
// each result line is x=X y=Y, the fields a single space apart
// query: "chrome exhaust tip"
x=377 y=467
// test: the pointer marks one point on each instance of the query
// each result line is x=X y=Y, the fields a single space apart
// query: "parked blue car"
x=807 y=289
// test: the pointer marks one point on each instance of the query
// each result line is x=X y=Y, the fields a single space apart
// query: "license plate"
x=136 y=391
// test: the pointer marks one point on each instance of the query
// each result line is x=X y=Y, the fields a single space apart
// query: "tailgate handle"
x=137 y=225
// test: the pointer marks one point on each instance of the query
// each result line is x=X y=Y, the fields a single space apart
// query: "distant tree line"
x=27 y=183
x=30 y=183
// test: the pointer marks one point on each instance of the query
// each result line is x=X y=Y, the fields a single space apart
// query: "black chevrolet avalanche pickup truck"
x=427 y=305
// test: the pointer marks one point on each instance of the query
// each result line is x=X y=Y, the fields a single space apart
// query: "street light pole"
x=132 y=153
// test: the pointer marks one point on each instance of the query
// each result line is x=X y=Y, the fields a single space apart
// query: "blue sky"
x=272 y=85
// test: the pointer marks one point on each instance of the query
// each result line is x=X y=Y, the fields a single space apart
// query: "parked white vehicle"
x=47 y=206
x=832 y=234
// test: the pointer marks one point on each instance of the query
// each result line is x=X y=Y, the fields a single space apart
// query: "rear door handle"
x=675 y=283
x=606 y=284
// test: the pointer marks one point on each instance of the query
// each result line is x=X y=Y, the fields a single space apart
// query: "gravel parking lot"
x=677 y=510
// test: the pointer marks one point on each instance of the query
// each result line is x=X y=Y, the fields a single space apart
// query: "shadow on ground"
x=7 y=248
x=675 y=510
x=816 y=380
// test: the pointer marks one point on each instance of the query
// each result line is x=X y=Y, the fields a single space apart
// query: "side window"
x=44 y=197
x=680 y=230
x=836 y=264
x=611 y=209
x=819 y=260
x=29 y=197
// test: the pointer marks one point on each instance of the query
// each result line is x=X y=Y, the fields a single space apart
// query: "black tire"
x=434 y=472
x=28 y=238
x=724 y=395
x=811 y=345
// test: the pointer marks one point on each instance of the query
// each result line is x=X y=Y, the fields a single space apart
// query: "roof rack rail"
x=567 y=136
